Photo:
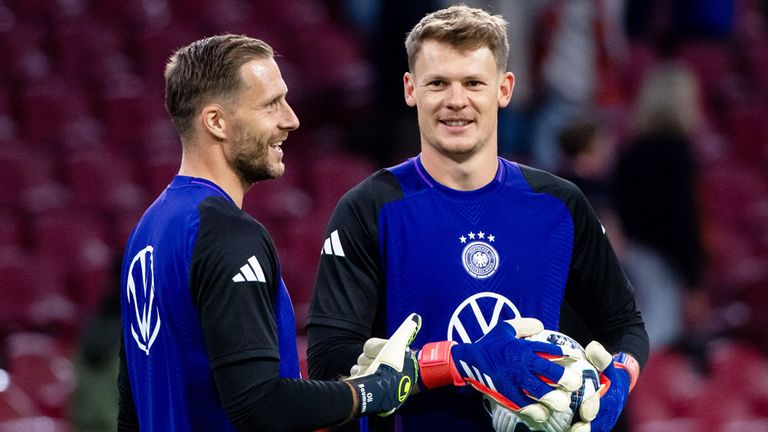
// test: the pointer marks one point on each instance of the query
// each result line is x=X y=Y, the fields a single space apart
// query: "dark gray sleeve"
x=127 y=419
x=347 y=306
x=597 y=291
x=240 y=330
x=257 y=399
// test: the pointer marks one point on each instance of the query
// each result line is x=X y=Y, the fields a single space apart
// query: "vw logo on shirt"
x=140 y=289
x=478 y=314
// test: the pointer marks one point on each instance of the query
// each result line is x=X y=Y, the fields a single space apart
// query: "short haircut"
x=464 y=28
x=206 y=70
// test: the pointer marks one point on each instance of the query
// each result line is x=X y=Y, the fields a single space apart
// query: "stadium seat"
x=33 y=297
x=49 y=107
x=35 y=424
x=102 y=181
x=41 y=366
x=334 y=174
x=23 y=168
x=90 y=52
x=11 y=229
x=75 y=246
x=16 y=403
x=157 y=171
x=123 y=108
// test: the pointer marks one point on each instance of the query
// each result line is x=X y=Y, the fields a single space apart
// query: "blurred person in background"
x=657 y=205
x=577 y=56
x=588 y=160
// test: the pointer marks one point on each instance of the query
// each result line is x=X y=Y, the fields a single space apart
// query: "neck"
x=206 y=161
x=460 y=174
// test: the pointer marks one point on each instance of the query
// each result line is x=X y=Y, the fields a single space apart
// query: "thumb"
x=525 y=327
x=373 y=346
x=598 y=355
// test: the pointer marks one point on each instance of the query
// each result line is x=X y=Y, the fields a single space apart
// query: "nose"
x=289 y=121
x=455 y=98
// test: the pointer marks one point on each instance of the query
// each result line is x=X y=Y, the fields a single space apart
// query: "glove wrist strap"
x=436 y=365
x=628 y=364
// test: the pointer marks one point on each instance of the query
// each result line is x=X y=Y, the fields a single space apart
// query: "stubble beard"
x=251 y=161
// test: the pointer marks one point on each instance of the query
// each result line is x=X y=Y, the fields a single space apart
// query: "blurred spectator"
x=588 y=160
x=390 y=131
x=655 y=185
x=581 y=47
x=93 y=407
x=679 y=19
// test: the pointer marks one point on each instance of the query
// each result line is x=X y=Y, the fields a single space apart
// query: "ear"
x=506 y=88
x=409 y=89
x=213 y=122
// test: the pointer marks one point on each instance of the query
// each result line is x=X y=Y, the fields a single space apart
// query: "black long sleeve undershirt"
x=256 y=403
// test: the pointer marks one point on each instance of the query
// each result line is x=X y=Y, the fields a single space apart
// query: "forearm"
x=278 y=404
x=332 y=351
x=127 y=419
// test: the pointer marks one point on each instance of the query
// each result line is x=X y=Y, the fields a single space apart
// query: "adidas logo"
x=473 y=373
x=332 y=245
x=250 y=272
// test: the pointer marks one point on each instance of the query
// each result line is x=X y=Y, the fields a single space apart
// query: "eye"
x=272 y=104
x=474 y=83
x=436 y=83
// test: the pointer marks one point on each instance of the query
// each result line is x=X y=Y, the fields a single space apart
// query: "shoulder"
x=377 y=189
x=545 y=182
x=222 y=222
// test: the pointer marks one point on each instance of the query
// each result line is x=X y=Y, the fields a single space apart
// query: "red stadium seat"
x=23 y=169
x=74 y=244
x=334 y=174
x=11 y=229
x=91 y=52
x=40 y=366
x=35 y=424
x=16 y=403
x=101 y=181
x=34 y=295
x=48 y=108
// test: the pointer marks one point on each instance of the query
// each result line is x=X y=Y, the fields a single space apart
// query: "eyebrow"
x=473 y=77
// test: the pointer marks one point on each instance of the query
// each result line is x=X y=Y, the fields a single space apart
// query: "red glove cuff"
x=436 y=365
x=630 y=365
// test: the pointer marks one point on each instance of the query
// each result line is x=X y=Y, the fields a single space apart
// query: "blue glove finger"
x=614 y=399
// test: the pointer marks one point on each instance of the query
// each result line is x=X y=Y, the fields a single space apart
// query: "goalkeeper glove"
x=386 y=381
x=617 y=378
x=492 y=365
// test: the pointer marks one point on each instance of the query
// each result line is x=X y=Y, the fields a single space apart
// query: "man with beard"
x=467 y=240
x=209 y=339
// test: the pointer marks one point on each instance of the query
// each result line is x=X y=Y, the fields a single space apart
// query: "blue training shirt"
x=200 y=288
x=527 y=244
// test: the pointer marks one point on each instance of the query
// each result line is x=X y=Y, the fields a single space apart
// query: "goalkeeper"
x=469 y=240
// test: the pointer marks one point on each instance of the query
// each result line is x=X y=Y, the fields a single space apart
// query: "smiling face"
x=260 y=122
x=457 y=95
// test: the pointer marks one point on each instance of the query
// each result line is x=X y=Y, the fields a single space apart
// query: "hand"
x=617 y=377
x=371 y=349
x=386 y=381
x=516 y=373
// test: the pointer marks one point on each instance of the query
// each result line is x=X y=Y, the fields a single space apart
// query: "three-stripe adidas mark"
x=250 y=272
x=332 y=245
x=473 y=373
